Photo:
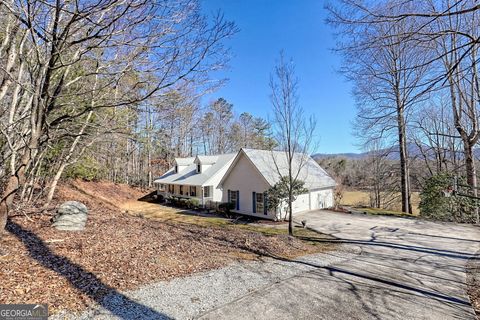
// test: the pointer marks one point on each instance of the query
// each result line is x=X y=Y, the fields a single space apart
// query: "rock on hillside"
x=71 y=216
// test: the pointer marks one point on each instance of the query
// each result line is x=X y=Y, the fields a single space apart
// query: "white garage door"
x=316 y=200
x=302 y=203
x=322 y=199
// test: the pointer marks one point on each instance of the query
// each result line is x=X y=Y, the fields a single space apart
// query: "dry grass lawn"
x=359 y=198
x=167 y=214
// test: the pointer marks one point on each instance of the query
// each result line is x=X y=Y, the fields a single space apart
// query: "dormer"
x=204 y=162
x=182 y=163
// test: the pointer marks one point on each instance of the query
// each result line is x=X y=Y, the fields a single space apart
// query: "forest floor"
x=121 y=251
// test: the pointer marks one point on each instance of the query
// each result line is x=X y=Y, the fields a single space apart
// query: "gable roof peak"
x=273 y=163
x=184 y=161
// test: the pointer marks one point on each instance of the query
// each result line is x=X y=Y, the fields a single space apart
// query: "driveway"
x=388 y=268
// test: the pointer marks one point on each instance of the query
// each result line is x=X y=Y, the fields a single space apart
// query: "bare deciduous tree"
x=388 y=76
x=54 y=51
x=293 y=131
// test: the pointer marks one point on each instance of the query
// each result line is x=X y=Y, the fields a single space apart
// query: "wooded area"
x=125 y=192
x=112 y=90
x=414 y=67
x=83 y=84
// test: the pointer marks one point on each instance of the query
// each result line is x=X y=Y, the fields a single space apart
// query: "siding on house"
x=215 y=180
x=245 y=178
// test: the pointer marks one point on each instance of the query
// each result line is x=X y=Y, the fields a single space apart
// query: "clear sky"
x=297 y=27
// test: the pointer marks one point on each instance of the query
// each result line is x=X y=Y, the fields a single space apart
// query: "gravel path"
x=190 y=297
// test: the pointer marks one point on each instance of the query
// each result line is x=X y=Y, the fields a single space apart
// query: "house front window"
x=207 y=191
x=176 y=169
x=233 y=199
x=259 y=203
x=199 y=168
x=193 y=191
x=171 y=188
x=181 y=190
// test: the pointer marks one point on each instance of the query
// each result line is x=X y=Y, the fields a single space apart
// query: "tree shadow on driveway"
x=332 y=270
x=429 y=292
x=444 y=237
x=84 y=281
x=434 y=251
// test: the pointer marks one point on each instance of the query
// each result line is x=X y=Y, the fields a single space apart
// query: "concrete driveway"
x=387 y=268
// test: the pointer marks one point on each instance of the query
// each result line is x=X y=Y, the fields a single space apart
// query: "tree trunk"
x=53 y=184
x=290 y=193
x=404 y=169
x=16 y=181
x=7 y=200
x=66 y=160
x=290 y=214
x=471 y=173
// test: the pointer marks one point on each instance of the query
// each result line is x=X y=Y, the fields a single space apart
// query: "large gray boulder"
x=71 y=216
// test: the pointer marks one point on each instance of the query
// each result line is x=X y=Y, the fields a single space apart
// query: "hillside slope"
x=116 y=251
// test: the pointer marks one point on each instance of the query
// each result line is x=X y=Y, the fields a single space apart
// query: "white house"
x=195 y=177
x=243 y=179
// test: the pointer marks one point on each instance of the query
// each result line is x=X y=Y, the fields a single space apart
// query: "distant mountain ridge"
x=392 y=153
x=348 y=155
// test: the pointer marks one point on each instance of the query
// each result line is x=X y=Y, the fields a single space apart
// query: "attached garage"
x=314 y=200
x=321 y=199
x=302 y=203
x=253 y=172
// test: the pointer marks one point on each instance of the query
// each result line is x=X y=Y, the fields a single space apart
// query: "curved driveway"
x=388 y=268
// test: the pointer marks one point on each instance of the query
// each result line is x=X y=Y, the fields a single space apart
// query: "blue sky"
x=297 y=27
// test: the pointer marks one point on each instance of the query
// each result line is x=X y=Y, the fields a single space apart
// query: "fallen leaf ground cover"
x=120 y=251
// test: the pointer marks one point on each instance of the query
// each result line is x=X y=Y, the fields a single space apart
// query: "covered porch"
x=203 y=194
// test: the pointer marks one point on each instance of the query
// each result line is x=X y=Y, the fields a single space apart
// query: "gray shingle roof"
x=184 y=161
x=208 y=159
x=189 y=175
x=314 y=176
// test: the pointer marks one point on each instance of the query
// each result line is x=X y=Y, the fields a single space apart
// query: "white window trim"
x=233 y=194
x=233 y=199
x=194 y=193
x=257 y=203
x=210 y=191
